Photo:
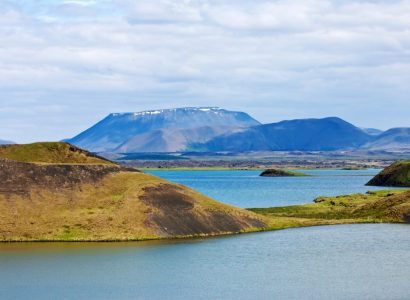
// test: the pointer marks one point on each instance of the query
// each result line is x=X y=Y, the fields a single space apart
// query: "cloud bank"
x=66 y=64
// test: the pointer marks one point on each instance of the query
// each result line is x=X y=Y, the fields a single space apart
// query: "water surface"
x=333 y=262
x=247 y=189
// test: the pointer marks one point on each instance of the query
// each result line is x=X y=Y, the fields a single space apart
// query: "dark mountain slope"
x=305 y=135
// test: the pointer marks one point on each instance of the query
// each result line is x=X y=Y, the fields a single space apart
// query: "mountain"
x=392 y=139
x=4 y=142
x=397 y=174
x=76 y=196
x=172 y=139
x=160 y=130
x=372 y=131
x=304 y=135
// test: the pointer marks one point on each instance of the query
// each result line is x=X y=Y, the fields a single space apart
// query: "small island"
x=280 y=173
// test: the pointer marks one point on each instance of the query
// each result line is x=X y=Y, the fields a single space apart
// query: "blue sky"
x=64 y=65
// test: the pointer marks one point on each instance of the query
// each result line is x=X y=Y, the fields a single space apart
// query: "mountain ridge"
x=213 y=129
x=326 y=134
x=392 y=139
x=118 y=128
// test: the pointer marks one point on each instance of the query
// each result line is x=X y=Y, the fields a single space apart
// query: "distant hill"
x=75 y=196
x=304 y=135
x=4 y=142
x=372 y=131
x=392 y=139
x=165 y=130
x=397 y=174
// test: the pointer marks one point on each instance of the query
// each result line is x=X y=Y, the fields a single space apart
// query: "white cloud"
x=276 y=59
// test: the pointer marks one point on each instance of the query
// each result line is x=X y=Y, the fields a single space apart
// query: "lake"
x=247 y=189
x=369 y=261
x=333 y=262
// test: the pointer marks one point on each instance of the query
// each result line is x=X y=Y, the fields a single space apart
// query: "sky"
x=64 y=65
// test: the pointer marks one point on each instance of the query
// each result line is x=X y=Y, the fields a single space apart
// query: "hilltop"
x=50 y=152
x=74 y=196
x=164 y=130
x=397 y=174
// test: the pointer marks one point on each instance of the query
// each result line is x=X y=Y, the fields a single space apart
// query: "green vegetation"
x=280 y=173
x=50 y=153
x=372 y=207
x=397 y=174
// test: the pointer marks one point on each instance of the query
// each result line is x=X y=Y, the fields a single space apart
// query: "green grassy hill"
x=69 y=195
x=51 y=153
x=397 y=174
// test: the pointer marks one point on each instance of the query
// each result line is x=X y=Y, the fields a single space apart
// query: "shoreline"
x=374 y=207
x=187 y=238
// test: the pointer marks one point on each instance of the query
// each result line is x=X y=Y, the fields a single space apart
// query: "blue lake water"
x=332 y=262
x=370 y=261
x=247 y=189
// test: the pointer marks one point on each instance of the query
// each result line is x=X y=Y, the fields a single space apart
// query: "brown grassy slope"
x=96 y=203
x=397 y=174
x=50 y=153
x=380 y=206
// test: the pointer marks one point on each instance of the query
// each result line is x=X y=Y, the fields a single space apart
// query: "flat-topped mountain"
x=164 y=130
x=392 y=139
x=397 y=174
x=304 y=135
x=76 y=196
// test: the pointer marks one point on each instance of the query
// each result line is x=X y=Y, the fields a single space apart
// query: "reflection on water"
x=331 y=262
